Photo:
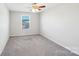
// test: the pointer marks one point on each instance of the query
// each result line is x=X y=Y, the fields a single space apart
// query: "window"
x=25 y=22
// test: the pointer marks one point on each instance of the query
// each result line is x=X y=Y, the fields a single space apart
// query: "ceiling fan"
x=37 y=7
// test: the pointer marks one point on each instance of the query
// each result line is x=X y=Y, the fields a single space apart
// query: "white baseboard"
x=50 y=38
x=23 y=35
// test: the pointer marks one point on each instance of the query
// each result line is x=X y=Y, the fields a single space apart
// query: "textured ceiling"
x=26 y=7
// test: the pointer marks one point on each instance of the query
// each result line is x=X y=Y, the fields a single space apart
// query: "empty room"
x=39 y=29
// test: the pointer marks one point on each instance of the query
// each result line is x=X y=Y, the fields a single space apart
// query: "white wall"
x=16 y=23
x=61 y=25
x=4 y=26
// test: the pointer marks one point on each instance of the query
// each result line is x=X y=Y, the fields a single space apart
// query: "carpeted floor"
x=34 y=45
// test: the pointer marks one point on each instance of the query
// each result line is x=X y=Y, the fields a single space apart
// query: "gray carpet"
x=34 y=45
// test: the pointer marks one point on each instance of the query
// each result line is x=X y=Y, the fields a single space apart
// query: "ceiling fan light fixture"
x=37 y=7
x=35 y=10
